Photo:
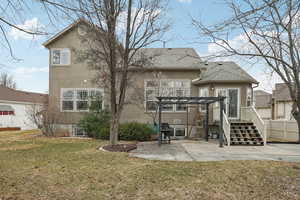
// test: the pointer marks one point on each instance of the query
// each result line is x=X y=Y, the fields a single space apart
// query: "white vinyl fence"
x=282 y=129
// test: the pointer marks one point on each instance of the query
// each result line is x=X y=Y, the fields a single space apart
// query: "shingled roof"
x=262 y=98
x=223 y=72
x=281 y=92
x=171 y=58
x=8 y=94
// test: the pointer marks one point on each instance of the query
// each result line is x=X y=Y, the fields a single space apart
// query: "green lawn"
x=55 y=168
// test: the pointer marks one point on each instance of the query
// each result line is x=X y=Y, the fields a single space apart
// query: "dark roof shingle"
x=281 y=92
x=171 y=58
x=223 y=72
x=262 y=98
x=8 y=94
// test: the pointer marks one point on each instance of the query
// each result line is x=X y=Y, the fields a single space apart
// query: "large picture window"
x=166 y=87
x=80 y=99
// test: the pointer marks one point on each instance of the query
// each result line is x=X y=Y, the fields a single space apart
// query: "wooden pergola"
x=193 y=100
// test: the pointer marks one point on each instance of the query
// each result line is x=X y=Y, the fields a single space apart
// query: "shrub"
x=135 y=131
x=96 y=124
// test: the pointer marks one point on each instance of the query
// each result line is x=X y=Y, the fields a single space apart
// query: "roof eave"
x=198 y=82
x=66 y=29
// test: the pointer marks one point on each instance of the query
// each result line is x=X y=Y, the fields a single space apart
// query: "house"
x=172 y=72
x=263 y=103
x=282 y=102
x=14 y=108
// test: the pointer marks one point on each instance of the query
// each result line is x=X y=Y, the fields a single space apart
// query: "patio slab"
x=186 y=150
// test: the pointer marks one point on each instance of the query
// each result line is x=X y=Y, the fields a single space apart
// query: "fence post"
x=284 y=129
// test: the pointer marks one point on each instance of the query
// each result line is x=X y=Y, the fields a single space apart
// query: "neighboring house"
x=282 y=102
x=263 y=103
x=173 y=72
x=15 y=105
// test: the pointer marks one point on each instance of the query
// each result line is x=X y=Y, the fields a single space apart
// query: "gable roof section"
x=65 y=30
x=260 y=92
x=215 y=72
x=8 y=94
x=281 y=92
x=263 y=99
x=171 y=58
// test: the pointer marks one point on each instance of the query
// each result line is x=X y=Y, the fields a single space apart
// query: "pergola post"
x=187 y=119
x=206 y=122
x=159 y=123
x=221 y=140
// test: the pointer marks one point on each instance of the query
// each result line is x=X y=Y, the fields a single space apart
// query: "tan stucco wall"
x=136 y=111
x=75 y=75
x=79 y=75
x=213 y=116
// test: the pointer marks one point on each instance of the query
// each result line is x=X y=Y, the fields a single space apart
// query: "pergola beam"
x=193 y=100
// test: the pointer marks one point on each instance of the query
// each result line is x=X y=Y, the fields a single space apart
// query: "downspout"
x=257 y=84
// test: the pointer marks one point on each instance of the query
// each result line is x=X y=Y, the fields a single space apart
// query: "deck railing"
x=226 y=128
x=250 y=114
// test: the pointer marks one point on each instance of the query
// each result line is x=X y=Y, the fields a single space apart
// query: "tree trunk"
x=114 y=129
x=296 y=115
x=297 y=118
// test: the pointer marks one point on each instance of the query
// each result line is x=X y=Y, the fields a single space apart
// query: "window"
x=60 y=56
x=179 y=132
x=203 y=92
x=78 y=132
x=67 y=105
x=165 y=87
x=81 y=99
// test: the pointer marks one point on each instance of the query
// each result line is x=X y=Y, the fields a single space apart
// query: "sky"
x=30 y=70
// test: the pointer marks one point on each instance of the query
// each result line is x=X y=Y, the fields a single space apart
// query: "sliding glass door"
x=232 y=103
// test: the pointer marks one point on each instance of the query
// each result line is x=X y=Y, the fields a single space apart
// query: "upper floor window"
x=80 y=99
x=166 y=87
x=60 y=56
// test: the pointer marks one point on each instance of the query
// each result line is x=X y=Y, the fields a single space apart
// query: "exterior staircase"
x=244 y=133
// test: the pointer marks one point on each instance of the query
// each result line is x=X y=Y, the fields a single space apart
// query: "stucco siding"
x=135 y=111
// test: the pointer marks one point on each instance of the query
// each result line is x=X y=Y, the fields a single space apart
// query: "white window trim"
x=203 y=88
x=176 y=126
x=60 y=49
x=174 y=110
x=74 y=99
x=226 y=104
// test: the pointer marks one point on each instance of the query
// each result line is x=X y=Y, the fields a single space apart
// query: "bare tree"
x=7 y=80
x=120 y=29
x=12 y=14
x=43 y=118
x=267 y=31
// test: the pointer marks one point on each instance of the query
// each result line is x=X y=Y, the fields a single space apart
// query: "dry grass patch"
x=74 y=169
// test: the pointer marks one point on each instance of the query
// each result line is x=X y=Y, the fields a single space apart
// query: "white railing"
x=250 y=114
x=226 y=128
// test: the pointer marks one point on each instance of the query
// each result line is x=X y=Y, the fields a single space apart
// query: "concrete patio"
x=187 y=150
